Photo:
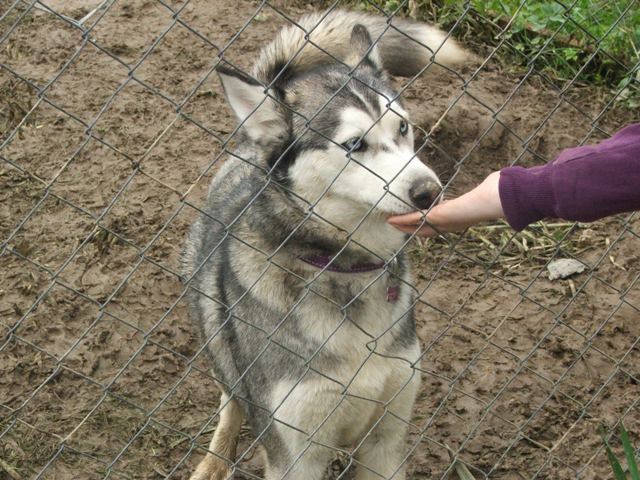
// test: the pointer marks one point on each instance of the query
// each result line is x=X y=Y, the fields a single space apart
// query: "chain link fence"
x=112 y=126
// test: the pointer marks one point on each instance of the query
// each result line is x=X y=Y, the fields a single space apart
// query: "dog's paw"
x=212 y=468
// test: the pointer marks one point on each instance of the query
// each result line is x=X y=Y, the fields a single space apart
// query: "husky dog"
x=296 y=283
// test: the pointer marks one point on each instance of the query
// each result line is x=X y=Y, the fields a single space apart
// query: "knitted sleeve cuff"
x=526 y=195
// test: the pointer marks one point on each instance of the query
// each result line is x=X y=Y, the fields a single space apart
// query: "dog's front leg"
x=222 y=450
x=310 y=463
x=307 y=424
x=382 y=453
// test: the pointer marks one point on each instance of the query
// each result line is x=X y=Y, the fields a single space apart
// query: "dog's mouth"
x=398 y=208
x=423 y=195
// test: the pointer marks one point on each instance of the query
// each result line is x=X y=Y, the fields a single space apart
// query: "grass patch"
x=629 y=453
x=587 y=41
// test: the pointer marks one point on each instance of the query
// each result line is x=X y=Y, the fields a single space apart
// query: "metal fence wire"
x=113 y=123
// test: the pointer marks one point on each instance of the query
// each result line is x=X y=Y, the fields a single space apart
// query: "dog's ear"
x=254 y=106
x=363 y=49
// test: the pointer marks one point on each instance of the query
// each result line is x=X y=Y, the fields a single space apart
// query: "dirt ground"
x=117 y=139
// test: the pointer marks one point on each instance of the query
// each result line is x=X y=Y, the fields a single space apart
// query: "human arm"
x=482 y=204
x=584 y=184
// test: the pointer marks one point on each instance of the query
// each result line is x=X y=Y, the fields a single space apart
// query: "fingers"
x=413 y=218
x=414 y=223
x=424 y=231
x=481 y=204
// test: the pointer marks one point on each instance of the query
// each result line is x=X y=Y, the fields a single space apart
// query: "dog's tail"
x=404 y=47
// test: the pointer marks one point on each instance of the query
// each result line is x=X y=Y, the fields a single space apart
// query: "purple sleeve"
x=583 y=184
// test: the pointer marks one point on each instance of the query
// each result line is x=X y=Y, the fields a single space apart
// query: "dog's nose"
x=424 y=192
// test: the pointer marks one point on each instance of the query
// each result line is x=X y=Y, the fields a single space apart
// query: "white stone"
x=564 y=268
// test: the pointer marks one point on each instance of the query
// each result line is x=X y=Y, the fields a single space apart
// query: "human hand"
x=479 y=205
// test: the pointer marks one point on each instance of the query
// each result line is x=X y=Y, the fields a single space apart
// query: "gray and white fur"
x=315 y=360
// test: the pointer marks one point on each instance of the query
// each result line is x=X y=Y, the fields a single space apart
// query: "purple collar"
x=321 y=261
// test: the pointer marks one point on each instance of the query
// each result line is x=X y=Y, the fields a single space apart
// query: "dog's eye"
x=354 y=144
x=404 y=127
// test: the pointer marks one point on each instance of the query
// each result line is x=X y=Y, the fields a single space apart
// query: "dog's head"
x=336 y=134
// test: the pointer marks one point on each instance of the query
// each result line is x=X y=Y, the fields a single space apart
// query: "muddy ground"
x=98 y=367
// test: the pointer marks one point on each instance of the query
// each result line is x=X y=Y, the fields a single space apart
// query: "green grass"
x=629 y=453
x=593 y=41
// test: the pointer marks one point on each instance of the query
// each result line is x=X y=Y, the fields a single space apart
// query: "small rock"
x=564 y=268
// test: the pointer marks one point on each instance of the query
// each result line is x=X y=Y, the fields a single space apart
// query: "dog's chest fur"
x=357 y=344
x=365 y=355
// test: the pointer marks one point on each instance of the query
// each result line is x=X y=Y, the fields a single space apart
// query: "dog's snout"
x=424 y=192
